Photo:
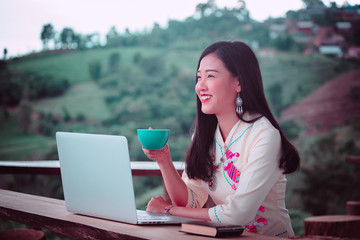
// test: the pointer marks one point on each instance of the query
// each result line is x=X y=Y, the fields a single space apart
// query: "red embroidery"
x=258 y=222
x=231 y=170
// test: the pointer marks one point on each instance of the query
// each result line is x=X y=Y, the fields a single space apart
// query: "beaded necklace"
x=233 y=170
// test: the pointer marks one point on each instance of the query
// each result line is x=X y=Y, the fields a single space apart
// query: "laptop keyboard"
x=150 y=217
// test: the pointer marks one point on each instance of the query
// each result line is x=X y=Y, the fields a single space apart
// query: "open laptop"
x=97 y=180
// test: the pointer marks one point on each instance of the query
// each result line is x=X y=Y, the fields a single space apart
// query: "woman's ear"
x=238 y=86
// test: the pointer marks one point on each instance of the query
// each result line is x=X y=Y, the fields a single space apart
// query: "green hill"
x=155 y=87
x=148 y=79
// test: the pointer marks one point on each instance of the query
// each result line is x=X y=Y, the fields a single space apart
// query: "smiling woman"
x=238 y=155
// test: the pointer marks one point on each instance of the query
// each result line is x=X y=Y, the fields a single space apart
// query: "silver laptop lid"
x=96 y=175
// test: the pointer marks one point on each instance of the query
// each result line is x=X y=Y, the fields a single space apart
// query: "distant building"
x=343 y=26
x=329 y=42
x=306 y=27
x=331 y=50
x=350 y=13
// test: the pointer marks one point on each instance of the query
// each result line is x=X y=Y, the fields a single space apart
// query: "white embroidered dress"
x=248 y=187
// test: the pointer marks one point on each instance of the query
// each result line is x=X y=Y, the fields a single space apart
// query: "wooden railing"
x=52 y=167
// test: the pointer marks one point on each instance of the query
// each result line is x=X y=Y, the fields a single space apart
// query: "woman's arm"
x=174 y=185
x=158 y=204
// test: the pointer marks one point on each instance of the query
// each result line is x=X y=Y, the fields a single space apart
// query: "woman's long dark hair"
x=241 y=61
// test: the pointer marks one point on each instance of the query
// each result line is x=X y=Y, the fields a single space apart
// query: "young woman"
x=238 y=155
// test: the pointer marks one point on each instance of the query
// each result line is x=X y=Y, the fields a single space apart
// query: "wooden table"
x=52 y=167
x=51 y=214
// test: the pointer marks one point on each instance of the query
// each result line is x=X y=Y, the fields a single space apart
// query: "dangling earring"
x=239 y=103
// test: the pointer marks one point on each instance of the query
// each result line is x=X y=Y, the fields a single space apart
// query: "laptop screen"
x=96 y=175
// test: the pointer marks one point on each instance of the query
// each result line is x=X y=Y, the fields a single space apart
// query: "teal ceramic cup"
x=153 y=139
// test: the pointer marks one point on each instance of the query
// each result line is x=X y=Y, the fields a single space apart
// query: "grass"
x=83 y=99
x=74 y=65
x=16 y=145
x=298 y=75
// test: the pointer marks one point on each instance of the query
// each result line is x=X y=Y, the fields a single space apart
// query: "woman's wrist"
x=164 y=156
x=164 y=163
x=167 y=210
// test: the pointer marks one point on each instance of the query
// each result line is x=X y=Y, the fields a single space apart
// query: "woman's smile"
x=205 y=98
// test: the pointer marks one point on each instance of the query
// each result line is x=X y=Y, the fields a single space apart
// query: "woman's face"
x=216 y=87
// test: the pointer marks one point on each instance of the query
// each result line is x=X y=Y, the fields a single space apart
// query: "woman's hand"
x=160 y=156
x=157 y=204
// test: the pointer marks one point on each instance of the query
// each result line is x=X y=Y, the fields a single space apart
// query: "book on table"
x=211 y=229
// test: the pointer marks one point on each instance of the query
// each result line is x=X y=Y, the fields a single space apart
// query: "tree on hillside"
x=113 y=37
x=92 y=40
x=241 y=12
x=47 y=34
x=10 y=91
x=206 y=8
x=95 y=69
x=24 y=116
x=5 y=53
x=114 y=62
x=112 y=33
x=313 y=3
x=68 y=37
x=292 y=16
x=326 y=175
x=201 y=7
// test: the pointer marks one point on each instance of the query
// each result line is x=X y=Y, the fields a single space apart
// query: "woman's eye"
x=211 y=76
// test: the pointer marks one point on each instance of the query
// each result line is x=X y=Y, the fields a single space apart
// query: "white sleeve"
x=257 y=178
x=197 y=195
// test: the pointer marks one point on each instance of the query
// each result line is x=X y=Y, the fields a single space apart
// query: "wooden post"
x=352 y=208
x=343 y=226
x=353 y=159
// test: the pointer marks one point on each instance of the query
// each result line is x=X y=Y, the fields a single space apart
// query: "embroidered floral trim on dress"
x=230 y=172
x=216 y=214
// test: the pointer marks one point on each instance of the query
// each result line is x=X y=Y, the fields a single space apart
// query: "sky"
x=21 y=21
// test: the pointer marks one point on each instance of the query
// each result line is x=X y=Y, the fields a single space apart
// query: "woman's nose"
x=200 y=85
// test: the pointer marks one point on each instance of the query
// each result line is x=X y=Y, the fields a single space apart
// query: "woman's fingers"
x=156 y=204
